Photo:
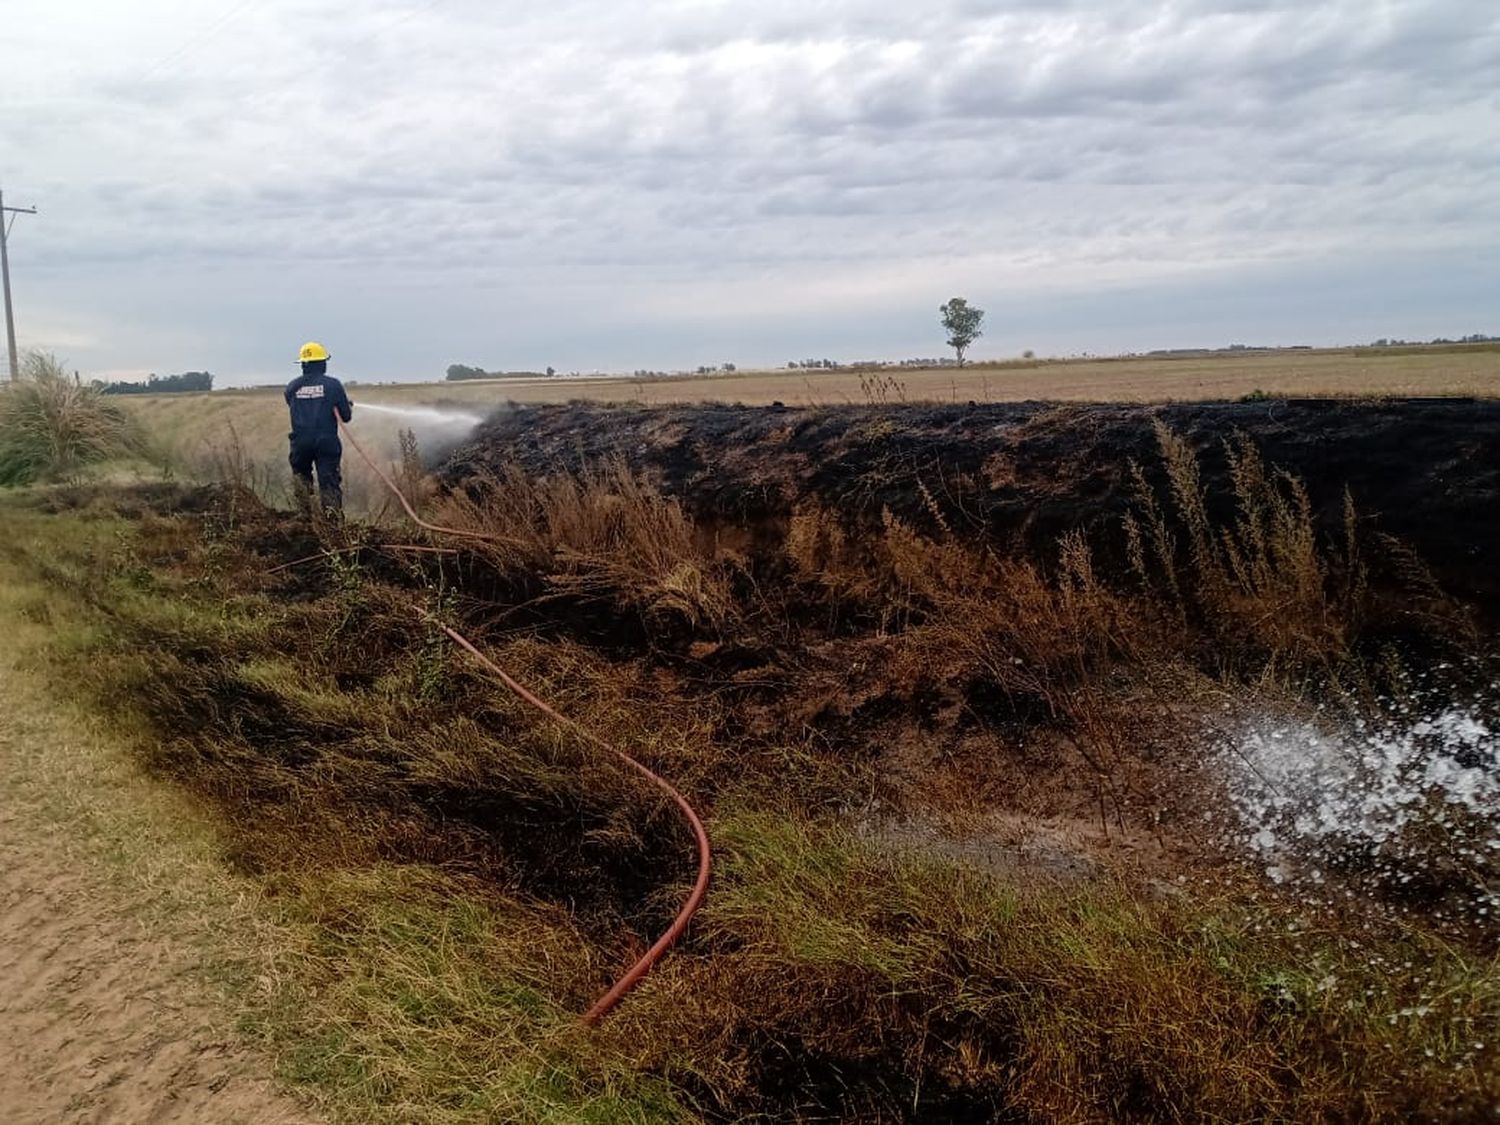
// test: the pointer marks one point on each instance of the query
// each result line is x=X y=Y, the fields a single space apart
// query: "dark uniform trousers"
x=323 y=452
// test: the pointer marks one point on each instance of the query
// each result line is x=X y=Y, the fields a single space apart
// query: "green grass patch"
x=430 y=998
x=1087 y=1003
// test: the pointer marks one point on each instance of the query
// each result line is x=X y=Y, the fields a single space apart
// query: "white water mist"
x=1413 y=801
x=428 y=416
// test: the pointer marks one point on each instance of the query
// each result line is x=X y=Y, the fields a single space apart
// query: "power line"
x=375 y=33
x=197 y=40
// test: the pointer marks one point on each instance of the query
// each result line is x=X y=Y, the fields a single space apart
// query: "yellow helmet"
x=312 y=351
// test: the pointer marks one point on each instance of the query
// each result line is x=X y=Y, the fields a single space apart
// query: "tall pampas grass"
x=51 y=426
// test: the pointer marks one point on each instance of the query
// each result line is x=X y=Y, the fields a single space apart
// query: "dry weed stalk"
x=1266 y=578
x=881 y=390
x=228 y=462
x=602 y=533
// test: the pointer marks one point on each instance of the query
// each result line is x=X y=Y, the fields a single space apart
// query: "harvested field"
x=962 y=691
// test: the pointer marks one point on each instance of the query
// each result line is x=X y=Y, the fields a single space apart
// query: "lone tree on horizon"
x=962 y=320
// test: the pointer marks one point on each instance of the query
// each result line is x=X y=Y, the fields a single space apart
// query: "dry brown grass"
x=1264 y=578
x=470 y=878
x=600 y=536
x=1258 y=593
x=1043 y=642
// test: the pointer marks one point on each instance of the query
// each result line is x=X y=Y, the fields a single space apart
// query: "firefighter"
x=314 y=398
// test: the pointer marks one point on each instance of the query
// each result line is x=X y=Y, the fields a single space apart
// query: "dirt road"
x=97 y=1023
x=104 y=1013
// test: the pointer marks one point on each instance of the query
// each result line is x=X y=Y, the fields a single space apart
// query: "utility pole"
x=10 y=316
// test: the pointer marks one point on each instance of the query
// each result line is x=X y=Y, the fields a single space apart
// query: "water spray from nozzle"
x=428 y=415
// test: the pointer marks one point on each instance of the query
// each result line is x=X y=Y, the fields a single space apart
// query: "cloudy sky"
x=616 y=184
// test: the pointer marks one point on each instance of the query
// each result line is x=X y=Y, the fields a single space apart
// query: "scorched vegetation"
x=976 y=862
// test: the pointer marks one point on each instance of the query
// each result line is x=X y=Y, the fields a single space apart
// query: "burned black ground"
x=1426 y=472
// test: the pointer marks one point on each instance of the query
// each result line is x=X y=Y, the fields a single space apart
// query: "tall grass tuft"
x=600 y=535
x=1264 y=579
x=51 y=426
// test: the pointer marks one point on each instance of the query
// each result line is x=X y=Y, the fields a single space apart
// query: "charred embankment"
x=1425 y=472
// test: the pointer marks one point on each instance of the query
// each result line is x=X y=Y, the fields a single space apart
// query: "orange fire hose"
x=700 y=835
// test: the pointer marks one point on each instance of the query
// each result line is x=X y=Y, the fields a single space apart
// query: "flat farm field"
x=1468 y=371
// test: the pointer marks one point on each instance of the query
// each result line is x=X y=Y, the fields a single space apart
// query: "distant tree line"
x=460 y=371
x=702 y=369
x=160 y=384
x=1476 y=338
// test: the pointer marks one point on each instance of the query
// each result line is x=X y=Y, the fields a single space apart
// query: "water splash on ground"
x=1412 y=804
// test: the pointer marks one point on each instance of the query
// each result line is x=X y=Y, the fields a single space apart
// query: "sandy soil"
x=103 y=1014
x=97 y=1026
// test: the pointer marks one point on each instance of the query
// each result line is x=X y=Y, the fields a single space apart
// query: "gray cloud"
x=586 y=184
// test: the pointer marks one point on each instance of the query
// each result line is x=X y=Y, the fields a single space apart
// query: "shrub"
x=51 y=426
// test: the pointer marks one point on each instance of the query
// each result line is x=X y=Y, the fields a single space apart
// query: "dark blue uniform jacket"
x=312 y=400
